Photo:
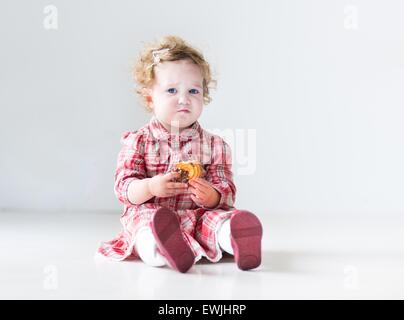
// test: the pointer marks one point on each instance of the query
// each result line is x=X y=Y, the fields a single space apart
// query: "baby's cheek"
x=198 y=100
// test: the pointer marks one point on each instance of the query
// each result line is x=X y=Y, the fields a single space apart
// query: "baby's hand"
x=162 y=186
x=203 y=193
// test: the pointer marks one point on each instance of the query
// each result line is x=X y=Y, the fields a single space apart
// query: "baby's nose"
x=183 y=99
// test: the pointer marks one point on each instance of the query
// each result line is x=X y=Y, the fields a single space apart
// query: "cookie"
x=188 y=170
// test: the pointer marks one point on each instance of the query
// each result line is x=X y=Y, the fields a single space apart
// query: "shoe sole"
x=167 y=232
x=246 y=236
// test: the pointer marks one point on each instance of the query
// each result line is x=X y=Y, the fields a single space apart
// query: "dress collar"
x=161 y=133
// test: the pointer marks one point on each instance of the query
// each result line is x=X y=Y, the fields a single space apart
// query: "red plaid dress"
x=152 y=150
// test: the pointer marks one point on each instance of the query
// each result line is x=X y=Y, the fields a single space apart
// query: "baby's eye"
x=194 y=91
x=172 y=90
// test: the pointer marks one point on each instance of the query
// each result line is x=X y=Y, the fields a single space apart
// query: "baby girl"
x=167 y=221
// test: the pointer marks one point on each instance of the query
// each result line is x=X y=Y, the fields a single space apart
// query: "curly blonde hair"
x=178 y=50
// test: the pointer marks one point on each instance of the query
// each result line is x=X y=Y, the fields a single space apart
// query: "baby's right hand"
x=162 y=186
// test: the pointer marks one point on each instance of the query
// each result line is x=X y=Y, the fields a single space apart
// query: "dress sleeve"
x=220 y=175
x=130 y=164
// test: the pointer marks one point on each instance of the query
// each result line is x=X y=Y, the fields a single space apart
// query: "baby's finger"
x=202 y=188
x=169 y=194
x=177 y=185
x=202 y=182
x=198 y=194
x=196 y=181
x=192 y=190
x=195 y=199
x=171 y=175
x=198 y=201
x=180 y=191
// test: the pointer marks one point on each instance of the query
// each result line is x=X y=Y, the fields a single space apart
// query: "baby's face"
x=178 y=86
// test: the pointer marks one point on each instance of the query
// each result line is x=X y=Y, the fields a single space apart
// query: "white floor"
x=51 y=256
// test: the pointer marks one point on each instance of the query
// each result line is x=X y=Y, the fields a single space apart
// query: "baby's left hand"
x=203 y=193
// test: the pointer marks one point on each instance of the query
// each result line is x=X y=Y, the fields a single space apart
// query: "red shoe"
x=246 y=235
x=167 y=232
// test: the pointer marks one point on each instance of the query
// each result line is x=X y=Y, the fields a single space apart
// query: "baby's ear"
x=147 y=94
x=146 y=91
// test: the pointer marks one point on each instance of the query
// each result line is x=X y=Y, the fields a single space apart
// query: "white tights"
x=146 y=245
x=223 y=237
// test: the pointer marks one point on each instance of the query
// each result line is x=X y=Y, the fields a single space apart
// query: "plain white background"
x=319 y=83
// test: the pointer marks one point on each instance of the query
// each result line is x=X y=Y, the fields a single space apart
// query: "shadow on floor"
x=296 y=261
x=272 y=261
x=281 y=262
x=308 y=261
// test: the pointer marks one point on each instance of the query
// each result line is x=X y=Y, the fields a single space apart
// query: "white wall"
x=320 y=82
